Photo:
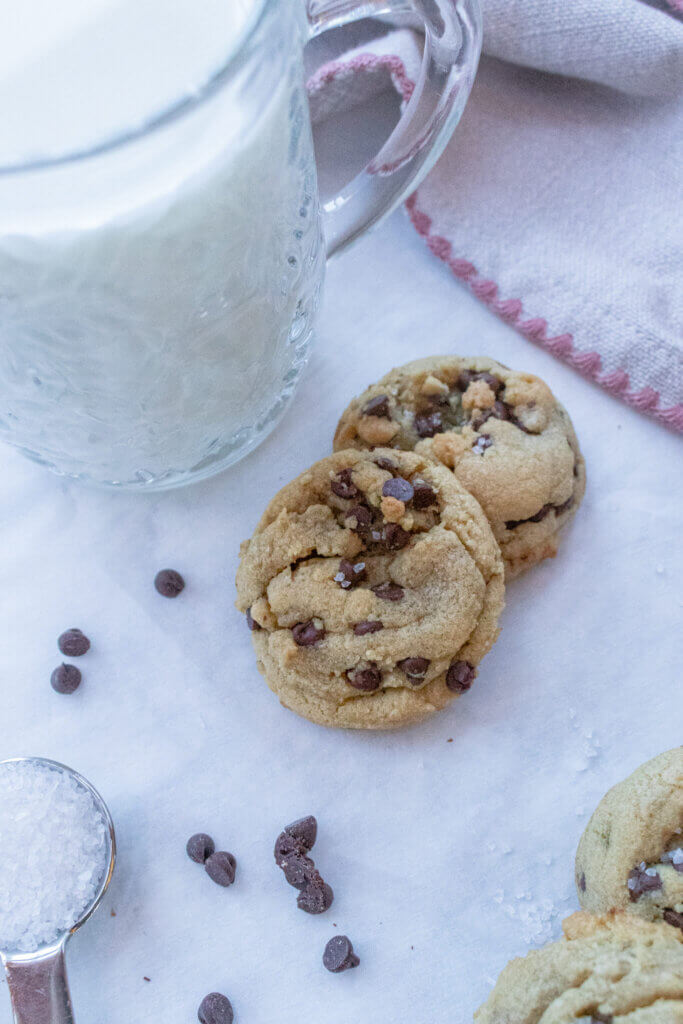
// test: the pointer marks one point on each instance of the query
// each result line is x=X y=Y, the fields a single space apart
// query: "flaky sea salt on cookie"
x=606 y=970
x=501 y=432
x=631 y=854
x=373 y=587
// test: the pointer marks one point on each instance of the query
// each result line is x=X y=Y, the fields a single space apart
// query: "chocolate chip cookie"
x=631 y=855
x=372 y=586
x=606 y=969
x=503 y=434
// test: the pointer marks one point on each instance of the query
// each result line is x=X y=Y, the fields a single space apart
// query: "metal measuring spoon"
x=37 y=981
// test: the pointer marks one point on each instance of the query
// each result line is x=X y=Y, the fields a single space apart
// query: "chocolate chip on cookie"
x=308 y=634
x=387 y=464
x=643 y=879
x=339 y=955
x=414 y=668
x=483 y=442
x=251 y=623
x=673 y=857
x=674 y=918
x=424 y=495
x=367 y=679
x=388 y=591
x=428 y=424
x=367 y=626
x=398 y=488
x=378 y=406
x=343 y=486
x=362 y=516
x=350 y=573
x=460 y=676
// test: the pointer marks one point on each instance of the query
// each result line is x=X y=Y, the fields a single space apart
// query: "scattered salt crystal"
x=53 y=853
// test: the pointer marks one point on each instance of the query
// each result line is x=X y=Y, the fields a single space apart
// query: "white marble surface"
x=447 y=858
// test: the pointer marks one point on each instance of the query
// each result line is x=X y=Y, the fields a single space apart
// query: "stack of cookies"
x=374 y=582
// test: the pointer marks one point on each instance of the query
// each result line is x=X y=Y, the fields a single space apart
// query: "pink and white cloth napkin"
x=558 y=200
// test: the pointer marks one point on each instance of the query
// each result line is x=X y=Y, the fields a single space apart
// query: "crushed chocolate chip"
x=73 y=643
x=220 y=867
x=460 y=676
x=362 y=515
x=307 y=634
x=387 y=464
x=483 y=442
x=674 y=918
x=169 y=583
x=388 y=591
x=200 y=847
x=641 y=880
x=251 y=623
x=339 y=955
x=365 y=679
x=304 y=831
x=414 y=668
x=368 y=626
x=316 y=897
x=582 y=882
x=398 y=488
x=215 y=1009
x=350 y=573
x=424 y=495
x=378 y=406
x=343 y=486
x=427 y=424
x=65 y=678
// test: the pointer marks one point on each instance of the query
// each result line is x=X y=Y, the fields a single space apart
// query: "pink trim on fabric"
x=589 y=364
x=676 y=5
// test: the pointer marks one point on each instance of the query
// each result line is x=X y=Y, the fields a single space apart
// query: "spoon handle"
x=39 y=989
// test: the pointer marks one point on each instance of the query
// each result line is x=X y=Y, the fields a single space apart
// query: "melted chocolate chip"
x=398 y=488
x=349 y=574
x=467 y=377
x=251 y=623
x=339 y=955
x=561 y=509
x=641 y=880
x=414 y=668
x=65 y=678
x=169 y=583
x=582 y=882
x=601 y=1018
x=378 y=406
x=388 y=591
x=483 y=442
x=199 y=847
x=343 y=486
x=365 y=679
x=316 y=897
x=539 y=516
x=424 y=495
x=368 y=626
x=394 y=537
x=460 y=676
x=387 y=464
x=304 y=831
x=362 y=515
x=307 y=634
x=215 y=1009
x=220 y=867
x=673 y=918
x=427 y=424
x=73 y=643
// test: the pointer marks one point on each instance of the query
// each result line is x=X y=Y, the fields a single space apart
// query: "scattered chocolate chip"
x=365 y=679
x=73 y=643
x=316 y=897
x=304 y=830
x=378 y=406
x=169 y=583
x=387 y=464
x=414 y=668
x=215 y=1009
x=388 y=591
x=199 y=847
x=350 y=573
x=339 y=955
x=673 y=918
x=483 y=442
x=343 y=486
x=307 y=634
x=145 y=978
x=362 y=515
x=398 y=488
x=424 y=495
x=428 y=424
x=582 y=882
x=251 y=623
x=394 y=537
x=368 y=626
x=299 y=870
x=286 y=846
x=460 y=676
x=220 y=867
x=675 y=858
x=66 y=678
x=641 y=880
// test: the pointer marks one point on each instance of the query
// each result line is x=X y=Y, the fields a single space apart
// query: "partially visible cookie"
x=607 y=969
x=631 y=854
x=372 y=586
x=503 y=433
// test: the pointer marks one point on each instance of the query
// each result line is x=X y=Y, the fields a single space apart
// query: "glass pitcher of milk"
x=162 y=243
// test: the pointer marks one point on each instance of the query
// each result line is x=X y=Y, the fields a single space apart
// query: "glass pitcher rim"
x=175 y=111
